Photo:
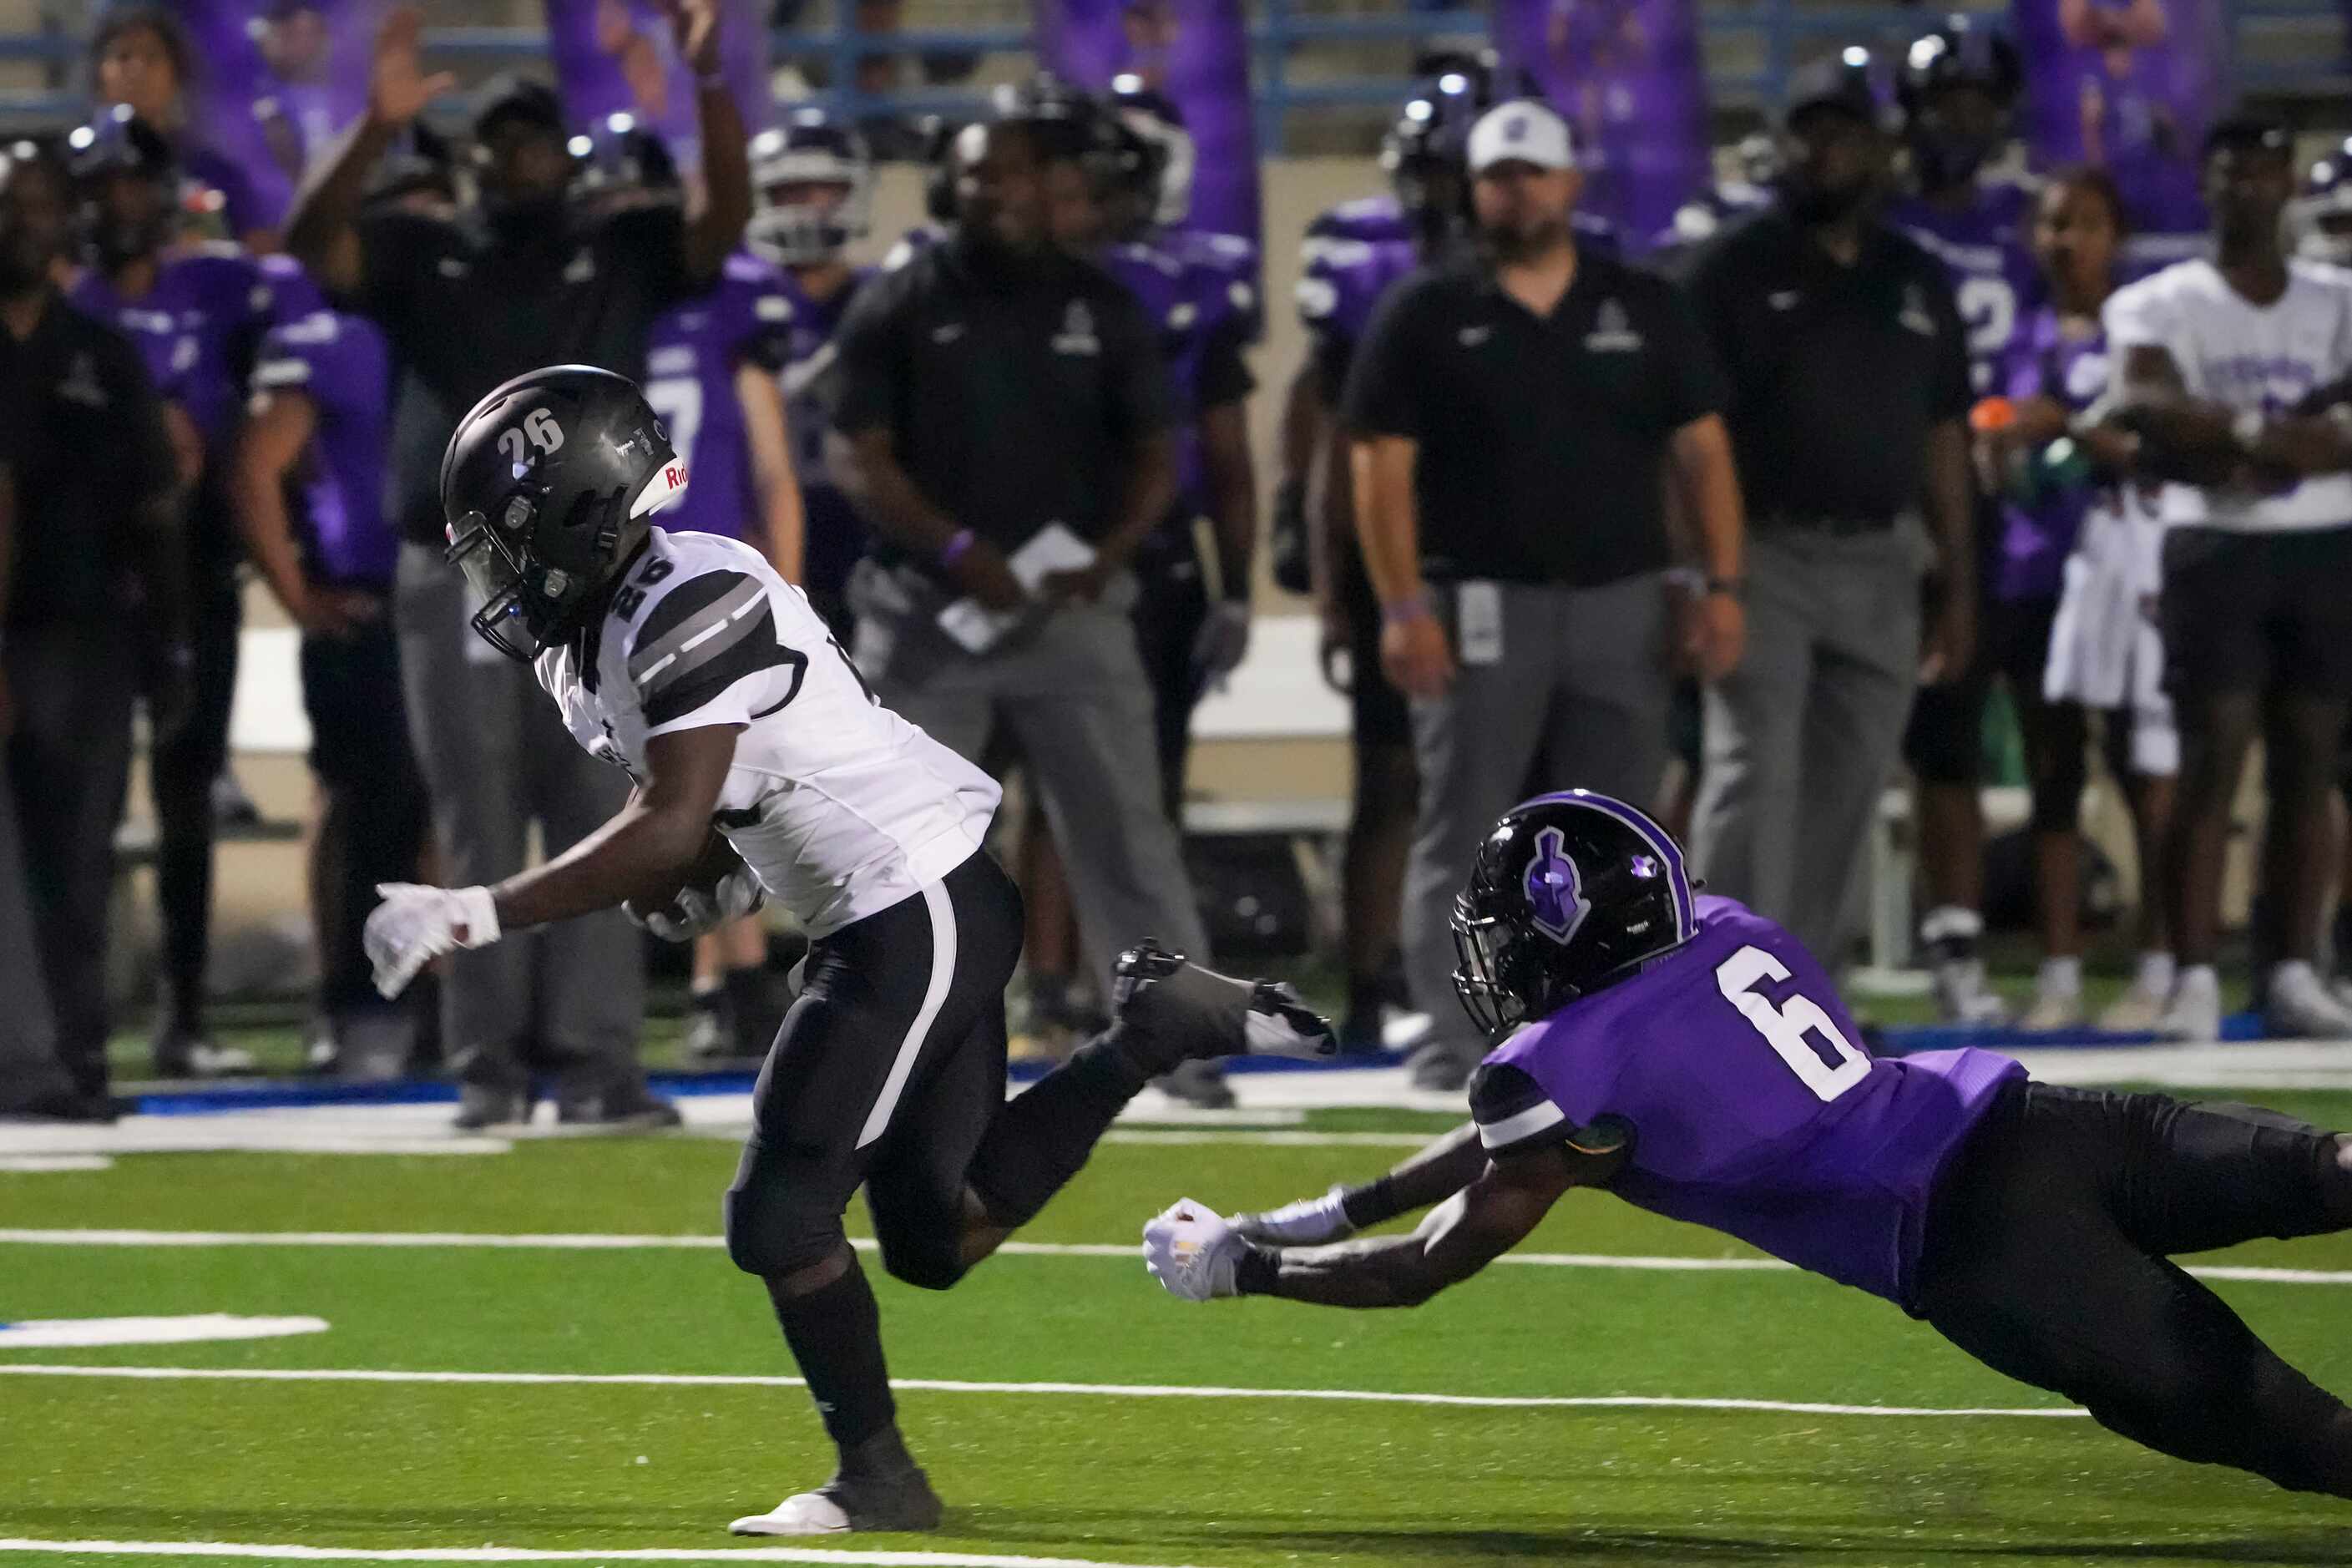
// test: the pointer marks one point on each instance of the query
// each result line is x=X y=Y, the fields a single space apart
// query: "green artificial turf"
x=1113 y=1478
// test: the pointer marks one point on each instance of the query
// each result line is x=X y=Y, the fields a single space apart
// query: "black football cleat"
x=904 y=1500
x=1196 y=1013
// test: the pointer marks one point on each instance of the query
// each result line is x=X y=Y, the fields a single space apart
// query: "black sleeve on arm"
x=1514 y=1114
x=1135 y=376
x=1224 y=374
x=1383 y=395
x=1953 y=392
x=1696 y=384
x=869 y=364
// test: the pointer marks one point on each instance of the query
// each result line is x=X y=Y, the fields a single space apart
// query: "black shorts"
x=1944 y=741
x=887 y=1072
x=1381 y=715
x=2046 y=1255
x=351 y=695
x=2256 y=612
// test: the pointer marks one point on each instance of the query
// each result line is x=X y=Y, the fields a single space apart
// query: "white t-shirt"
x=2246 y=356
x=839 y=806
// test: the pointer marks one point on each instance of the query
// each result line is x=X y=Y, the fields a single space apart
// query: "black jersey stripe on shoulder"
x=746 y=654
x=695 y=618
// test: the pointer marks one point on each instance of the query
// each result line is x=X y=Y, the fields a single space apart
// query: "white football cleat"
x=804 y=1513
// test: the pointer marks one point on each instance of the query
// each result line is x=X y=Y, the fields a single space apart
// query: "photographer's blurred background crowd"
x=1920 y=469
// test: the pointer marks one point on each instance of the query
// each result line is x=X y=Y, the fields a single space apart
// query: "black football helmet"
x=1568 y=894
x=1153 y=118
x=1422 y=152
x=120 y=145
x=1955 y=54
x=620 y=160
x=548 y=487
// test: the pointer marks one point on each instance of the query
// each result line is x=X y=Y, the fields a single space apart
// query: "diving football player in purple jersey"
x=197 y=315
x=1691 y=1057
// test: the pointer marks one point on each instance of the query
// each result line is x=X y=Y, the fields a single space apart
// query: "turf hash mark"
x=276 y=1552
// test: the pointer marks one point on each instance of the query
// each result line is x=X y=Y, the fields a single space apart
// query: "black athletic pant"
x=360 y=751
x=180 y=773
x=69 y=763
x=1171 y=608
x=2046 y=1257
x=888 y=1071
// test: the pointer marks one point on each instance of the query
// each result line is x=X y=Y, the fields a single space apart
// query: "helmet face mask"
x=809 y=154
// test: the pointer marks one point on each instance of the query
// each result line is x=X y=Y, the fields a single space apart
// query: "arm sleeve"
x=1135 y=376
x=1696 y=383
x=707 y=653
x=1224 y=371
x=1954 y=390
x=1381 y=397
x=145 y=462
x=869 y=364
x=1515 y=1116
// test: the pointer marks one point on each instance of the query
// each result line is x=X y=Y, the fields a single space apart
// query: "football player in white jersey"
x=764 y=769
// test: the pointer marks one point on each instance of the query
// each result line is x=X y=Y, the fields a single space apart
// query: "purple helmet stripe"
x=1658 y=838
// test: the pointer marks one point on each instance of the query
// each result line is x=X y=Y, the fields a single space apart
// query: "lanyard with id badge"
x=1478 y=623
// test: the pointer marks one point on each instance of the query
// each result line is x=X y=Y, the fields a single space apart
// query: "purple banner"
x=620 y=57
x=1196 y=54
x=1627 y=76
x=2128 y=85
x=278 y=80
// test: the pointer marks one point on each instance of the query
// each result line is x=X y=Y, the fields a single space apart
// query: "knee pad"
x=927 y=1262
x=776 y=1227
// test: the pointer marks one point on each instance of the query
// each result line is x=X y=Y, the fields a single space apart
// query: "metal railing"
x=1778 y=35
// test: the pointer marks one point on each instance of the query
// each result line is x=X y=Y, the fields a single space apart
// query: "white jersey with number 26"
x=839 y=806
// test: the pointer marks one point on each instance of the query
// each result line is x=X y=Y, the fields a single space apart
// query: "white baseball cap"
x=1522 y=130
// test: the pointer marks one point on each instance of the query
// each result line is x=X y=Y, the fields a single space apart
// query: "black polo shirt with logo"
x=1541 y=441
x=465 y=309
x=82 y=432
x=1837 y=373
x=1014 y=396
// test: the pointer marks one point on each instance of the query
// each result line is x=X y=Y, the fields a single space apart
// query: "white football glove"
x=415 y=925
x=1309 y=1222
x=1223 y=640
x=1192 y=1252
x=697 y=910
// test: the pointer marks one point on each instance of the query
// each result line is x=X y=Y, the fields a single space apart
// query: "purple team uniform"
x=196 y=328
x=343 y=365
x=1203 y=313
x=836 y=534
x=1986 y=249
x=692 y=352
x=2041 y=361
x=1750 y=1115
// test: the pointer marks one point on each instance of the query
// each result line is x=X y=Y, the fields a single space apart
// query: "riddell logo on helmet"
x=660 y=490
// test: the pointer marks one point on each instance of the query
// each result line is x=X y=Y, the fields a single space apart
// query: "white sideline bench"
x=1893 y=865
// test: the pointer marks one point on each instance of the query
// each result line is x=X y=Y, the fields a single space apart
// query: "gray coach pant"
x=1074 y=692
x=1580 y=684
x=1801 y=739
x=569 y=997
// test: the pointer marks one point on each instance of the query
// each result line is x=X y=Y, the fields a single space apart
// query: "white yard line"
x=946 y=1386
x=555 y=1241
x=274 y=1552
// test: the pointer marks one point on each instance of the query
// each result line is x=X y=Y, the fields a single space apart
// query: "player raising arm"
x=685 y=660
x=1692 y=1057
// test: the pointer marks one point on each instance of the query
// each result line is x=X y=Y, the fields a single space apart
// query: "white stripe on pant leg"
x=943 y=963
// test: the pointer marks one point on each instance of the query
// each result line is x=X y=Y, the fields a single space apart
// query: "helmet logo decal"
x=1555 y=893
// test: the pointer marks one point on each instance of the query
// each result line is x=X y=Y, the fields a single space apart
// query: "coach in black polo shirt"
x=993 y=390
x=97 y=574
x=1514 y=417
x=1850 y=391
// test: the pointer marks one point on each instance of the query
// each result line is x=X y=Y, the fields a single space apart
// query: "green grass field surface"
x=1151 y=1476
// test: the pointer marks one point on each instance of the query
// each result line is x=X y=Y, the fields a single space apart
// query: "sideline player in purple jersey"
x=811 y=199
x=317 y=432
x=1957 y=85
x=712 y=368
x=196 y=313
x=1692 y=1057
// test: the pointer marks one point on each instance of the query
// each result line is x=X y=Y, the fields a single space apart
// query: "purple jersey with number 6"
x=1986 y=249
x=1755 y=1112
x=692 y=353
